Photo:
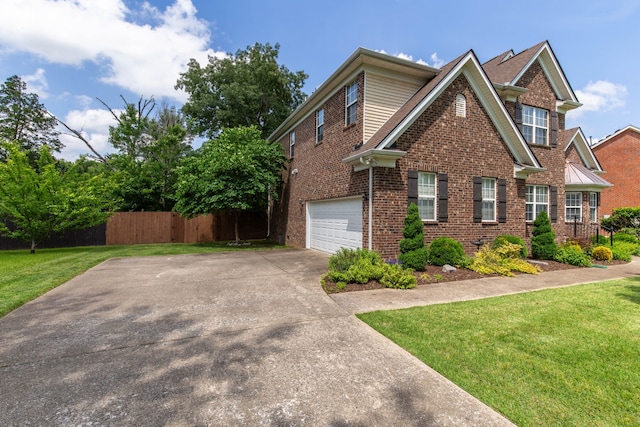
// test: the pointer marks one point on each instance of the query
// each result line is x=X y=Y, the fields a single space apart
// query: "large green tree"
x=149 y=148
x=41 y=200
x=237 y=171
x=245 y=89
x=25 y=120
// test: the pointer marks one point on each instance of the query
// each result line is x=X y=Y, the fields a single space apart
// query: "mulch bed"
x=434 y=274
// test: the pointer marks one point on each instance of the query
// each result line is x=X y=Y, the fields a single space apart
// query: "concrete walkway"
x=241 y=338
x=444 y=292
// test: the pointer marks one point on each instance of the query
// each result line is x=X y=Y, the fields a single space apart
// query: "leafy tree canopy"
x=25 y=120
x=149 y=148
x=245 y=89
x=38 y=201
x=238 y=171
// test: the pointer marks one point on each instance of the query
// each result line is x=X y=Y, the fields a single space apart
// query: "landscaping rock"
x=448 y=268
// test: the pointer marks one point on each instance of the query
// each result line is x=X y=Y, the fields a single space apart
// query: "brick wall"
x=541 y=95
x=438 y=141
x=320 y=173
x=620 y=158
x=461 y=147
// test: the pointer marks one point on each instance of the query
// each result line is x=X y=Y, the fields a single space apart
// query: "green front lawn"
x=24 y=276
x=562 y=357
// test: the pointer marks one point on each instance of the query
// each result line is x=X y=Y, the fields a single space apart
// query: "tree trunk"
x=236 y=228
x=33 y=246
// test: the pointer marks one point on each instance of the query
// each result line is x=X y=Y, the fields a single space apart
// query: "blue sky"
x=71 y=52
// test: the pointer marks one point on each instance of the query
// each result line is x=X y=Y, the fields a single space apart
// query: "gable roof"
x=469 y=66
x=508 y=68
x=576 y=137
x=629 y=128
x=359 y=60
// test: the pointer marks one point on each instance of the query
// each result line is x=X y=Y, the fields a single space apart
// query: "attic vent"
x=461 y=105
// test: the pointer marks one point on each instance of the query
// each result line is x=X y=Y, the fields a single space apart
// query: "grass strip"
x=560 y=357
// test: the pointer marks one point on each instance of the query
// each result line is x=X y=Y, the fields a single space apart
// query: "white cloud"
x=600 y=96
x=437 y=62
x=94 y=126
x=145 y=58
x=37 y=83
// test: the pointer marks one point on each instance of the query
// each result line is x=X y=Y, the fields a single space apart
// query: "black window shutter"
x=443 y=197
x=554 y=128
x=597 y=199
x=519 y=115
x=412 y=187
x=554 y=203
x=502 y=200
x=477 y=199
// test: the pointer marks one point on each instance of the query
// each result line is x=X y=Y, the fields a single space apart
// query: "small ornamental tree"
x=236 y=172
x=413 y=253
x=543 y=242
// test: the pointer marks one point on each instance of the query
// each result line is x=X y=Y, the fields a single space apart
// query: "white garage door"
x=334 y=224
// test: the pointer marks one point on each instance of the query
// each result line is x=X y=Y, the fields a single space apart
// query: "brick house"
x=619 y=155
x=481 y=148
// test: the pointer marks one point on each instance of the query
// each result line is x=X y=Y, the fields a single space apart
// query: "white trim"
x=585 y=151
x=506 y=127
x=616 y=133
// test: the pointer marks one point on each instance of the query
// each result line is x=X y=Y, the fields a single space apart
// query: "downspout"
x=370 y=203
x=369 y=163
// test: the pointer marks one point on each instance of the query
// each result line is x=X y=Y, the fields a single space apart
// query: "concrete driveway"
x=240 y=338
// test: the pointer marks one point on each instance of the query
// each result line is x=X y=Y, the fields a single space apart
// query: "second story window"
x=292 y=143
x=352 y=103
x=535 y=125
x=319 y=125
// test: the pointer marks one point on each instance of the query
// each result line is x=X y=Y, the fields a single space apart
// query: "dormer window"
x=461 y=105
x=535 y=125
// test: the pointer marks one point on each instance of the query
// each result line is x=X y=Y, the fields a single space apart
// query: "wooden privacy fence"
x=128 y=228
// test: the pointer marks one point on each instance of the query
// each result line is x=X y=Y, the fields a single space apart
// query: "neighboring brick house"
x=480 y=149
x=619 y=155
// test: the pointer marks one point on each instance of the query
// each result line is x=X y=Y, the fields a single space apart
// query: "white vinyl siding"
x=383 y=97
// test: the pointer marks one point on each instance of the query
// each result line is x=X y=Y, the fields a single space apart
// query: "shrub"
x=572 y=254
x=365 y=270
x=600 y=240
x=413 y=253
x=624 y=237
x=601 y=253
x=543 y=242
x=623 y=250
x=620 y=253
x=502 y=260
x=507 y=238
x=397 y=277
x=416 y=259
x=355 y=266
x=445 y=250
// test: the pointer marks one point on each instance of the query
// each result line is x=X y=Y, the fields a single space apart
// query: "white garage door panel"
x=335 y=224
